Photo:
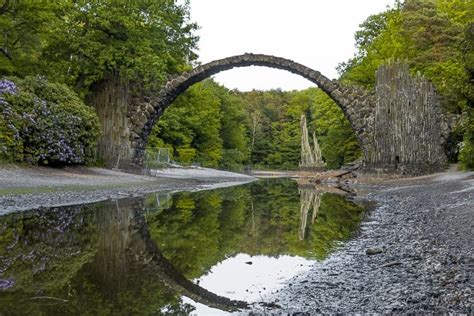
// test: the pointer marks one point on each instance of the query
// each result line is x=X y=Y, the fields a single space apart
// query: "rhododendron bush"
x=45 y=123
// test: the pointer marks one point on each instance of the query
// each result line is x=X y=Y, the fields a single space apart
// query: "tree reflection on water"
x=137 y=255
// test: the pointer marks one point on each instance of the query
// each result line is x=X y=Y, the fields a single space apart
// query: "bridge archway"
x=356 y=104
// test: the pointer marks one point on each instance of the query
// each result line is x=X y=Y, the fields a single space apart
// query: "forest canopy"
x=258 y=128
x=79 y=44
x=436 y=38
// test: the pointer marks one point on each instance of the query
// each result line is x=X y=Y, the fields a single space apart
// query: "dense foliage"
x=436 y=38
x=205 y=125
x=45 y=123
x=79 y=44
x=274 y=127
x=212 y=126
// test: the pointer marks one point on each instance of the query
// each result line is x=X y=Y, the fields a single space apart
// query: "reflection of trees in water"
x=163 y=200
x=153 y=264
x=43 y=249
x=126 y=275
x=309 y=199
x=131 y=274
x=130 y=256
x=263 y=218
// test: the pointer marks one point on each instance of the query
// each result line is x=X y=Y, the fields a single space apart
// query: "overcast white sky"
x=316 y=33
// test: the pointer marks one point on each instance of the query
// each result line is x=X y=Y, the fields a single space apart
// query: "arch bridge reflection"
x=140 y=254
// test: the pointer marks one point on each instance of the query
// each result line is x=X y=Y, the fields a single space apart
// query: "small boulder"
x=373 y=251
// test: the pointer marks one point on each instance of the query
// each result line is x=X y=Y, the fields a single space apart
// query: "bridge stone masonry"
x=400 y=125
x=357 y=104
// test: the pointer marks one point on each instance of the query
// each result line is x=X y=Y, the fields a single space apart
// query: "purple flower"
x=6 y=284
x=7 y=86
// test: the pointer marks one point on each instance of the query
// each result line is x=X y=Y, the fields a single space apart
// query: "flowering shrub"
x=10 y=142
x=7 y=86
x=45 y=123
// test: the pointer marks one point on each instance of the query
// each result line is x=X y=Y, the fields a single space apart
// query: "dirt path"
x=413 y=254
x=26 y=188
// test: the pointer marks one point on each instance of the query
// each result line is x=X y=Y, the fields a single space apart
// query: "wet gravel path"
x=413 y=254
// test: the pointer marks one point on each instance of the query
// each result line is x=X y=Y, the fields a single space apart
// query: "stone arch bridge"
x=390 y=123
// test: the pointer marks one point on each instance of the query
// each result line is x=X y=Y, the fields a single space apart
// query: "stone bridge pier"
x=400 y=125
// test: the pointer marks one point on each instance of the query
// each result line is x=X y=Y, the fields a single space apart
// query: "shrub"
x=45 y=123
x=466 y=154
x=186 y=155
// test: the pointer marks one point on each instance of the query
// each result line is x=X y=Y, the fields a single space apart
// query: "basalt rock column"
x=408 y=122
x=307 y=157
x=111 y=100
x=310 y=157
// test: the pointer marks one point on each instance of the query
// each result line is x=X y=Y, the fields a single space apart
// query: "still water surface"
x=206 y=252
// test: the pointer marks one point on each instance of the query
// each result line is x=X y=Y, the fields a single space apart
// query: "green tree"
x=377 y=41
x=273 y=127
x=263 y=109
x=25 y=27
x=233 y=130
x=80 y=43
x=338 y=142
x=433 y=37
x=204 y=125
x=191 y=126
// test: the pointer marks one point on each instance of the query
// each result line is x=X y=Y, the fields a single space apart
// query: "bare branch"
x=5 y=53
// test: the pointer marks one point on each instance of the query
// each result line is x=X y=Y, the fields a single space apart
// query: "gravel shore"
x=23 y=188
x=413 y=254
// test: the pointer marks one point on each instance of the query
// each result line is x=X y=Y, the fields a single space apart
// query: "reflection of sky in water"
x=235 y=279
x=138 y=254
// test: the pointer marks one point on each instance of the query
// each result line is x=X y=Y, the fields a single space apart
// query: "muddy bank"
x=413 y=253
x=28 y=188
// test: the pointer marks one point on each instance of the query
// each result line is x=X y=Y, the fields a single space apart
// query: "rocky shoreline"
x=413 y=254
